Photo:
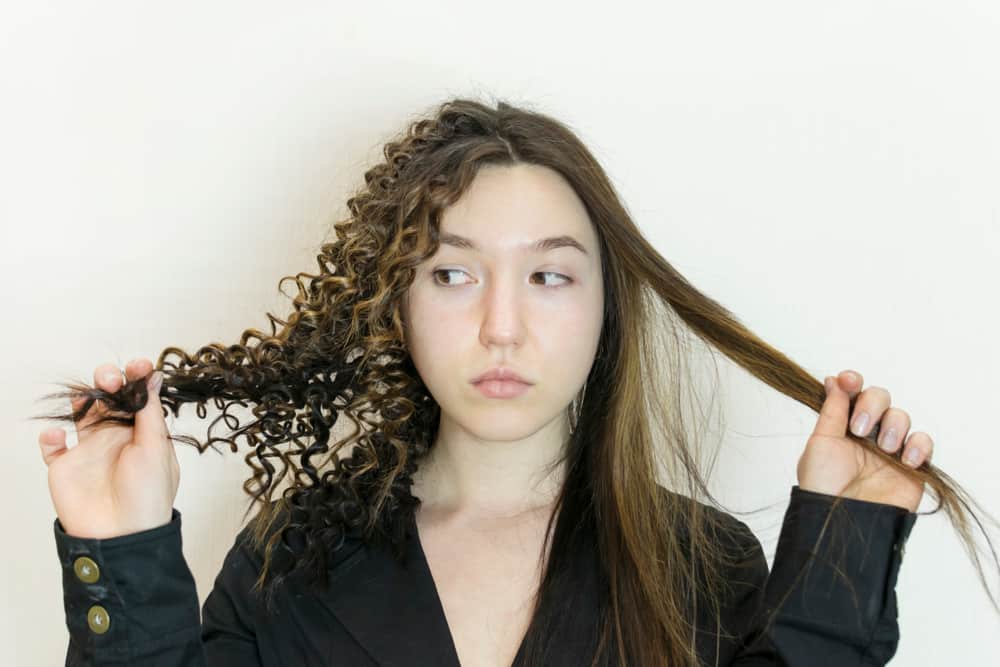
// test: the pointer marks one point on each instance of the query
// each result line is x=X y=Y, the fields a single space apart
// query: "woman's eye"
x=446 y=271
x=434 y=274
x=568 y=280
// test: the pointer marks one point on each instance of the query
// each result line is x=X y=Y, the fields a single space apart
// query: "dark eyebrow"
x=542 y=245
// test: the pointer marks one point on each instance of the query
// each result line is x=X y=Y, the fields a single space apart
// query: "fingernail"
x=860 y=425
x=912 y=457
x=110 y=376
x=827 y=382
x=155 y=380
x=888 y=440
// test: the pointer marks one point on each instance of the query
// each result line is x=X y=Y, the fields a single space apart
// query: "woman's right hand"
x=118 y=479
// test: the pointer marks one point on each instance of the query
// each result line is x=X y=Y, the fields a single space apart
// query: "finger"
x=150 y=426
x=851 y=382
x=869 y=406
x=918 y=448
x=138 y=367
x=107 y=377
x=833 y=413
x=52 y=443
x=893 y=429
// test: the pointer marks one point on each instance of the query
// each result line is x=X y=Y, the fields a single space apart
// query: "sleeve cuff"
x=840 y=575
x=126 y=591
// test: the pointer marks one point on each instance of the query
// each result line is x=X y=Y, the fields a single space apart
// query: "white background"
x=827 y=171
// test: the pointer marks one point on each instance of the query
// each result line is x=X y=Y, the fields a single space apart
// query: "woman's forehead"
x=518 y=210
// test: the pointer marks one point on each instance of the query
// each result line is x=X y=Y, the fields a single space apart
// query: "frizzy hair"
x=342 y=353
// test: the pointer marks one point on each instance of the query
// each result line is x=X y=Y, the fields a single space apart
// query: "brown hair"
x=342 y=353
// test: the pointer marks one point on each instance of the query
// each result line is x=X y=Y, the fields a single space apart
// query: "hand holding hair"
x=836 y=462
x=119 y=479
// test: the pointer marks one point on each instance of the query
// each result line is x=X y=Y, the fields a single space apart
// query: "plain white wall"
x=828 y=171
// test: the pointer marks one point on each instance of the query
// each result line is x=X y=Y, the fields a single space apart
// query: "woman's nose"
x=502 y=323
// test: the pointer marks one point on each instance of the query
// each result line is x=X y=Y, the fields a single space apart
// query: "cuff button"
x=98 y=620
x=86 y=570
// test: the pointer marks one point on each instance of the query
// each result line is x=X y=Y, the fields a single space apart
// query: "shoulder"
x=724 y=530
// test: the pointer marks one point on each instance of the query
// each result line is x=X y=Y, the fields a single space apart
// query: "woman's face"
x=504 y=302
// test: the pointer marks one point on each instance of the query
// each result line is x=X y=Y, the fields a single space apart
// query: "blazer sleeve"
x=837 y=608
x=132 y=600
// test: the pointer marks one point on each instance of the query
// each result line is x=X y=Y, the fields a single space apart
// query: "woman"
x=488 y=321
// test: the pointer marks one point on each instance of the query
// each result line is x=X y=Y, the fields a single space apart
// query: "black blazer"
x=132 y=600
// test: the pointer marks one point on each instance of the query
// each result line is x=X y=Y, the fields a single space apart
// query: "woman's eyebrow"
x=542 y=245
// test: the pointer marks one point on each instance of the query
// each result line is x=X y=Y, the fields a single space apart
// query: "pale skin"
x=481 y=486
x=504 y=302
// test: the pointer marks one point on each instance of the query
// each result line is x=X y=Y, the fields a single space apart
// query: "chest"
x=486 y=581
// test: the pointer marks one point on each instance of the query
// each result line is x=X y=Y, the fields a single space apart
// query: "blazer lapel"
x=391 y=609
x=394 y=612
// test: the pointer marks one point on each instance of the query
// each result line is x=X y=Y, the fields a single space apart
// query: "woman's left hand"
x=831 y=459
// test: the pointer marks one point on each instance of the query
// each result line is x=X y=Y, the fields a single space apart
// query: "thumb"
x=150 y=425
x=833 y=415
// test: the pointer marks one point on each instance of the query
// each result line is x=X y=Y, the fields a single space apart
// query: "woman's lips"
x=501 y=388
